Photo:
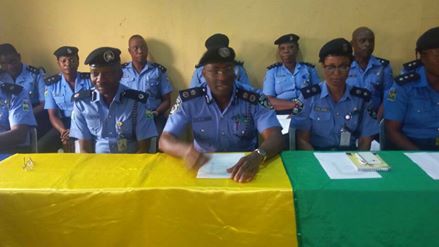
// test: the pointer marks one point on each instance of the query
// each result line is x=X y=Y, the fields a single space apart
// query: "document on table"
x=429 y=162
x=218 y=164
x=284 y=121
x=339 y=166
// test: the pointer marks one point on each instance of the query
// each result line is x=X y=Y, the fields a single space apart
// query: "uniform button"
x=338 y=114
x=222 y=133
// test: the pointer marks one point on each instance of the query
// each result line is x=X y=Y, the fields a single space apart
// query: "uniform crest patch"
x=391 y=95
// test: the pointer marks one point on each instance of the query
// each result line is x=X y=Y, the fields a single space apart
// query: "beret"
x=66 y=51
x=428 y=40
x=217 y=55
x=217 y=40
x=287 y=38
x=336 y=47
x=103 y=56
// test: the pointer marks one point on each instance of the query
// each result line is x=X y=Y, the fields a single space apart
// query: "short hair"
x=6 y=49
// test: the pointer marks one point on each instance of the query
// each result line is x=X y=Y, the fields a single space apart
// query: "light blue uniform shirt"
x=152 y=80
x=31 y=79
x=377 y=78
x=58 y=93
x=326 y=119
x=415 y=105
x=279 y=82
x=93 y=120
x=233 y=130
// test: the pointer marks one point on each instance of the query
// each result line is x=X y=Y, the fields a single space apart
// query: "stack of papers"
x=368 y=161
x=428 y=162
x=284 y=121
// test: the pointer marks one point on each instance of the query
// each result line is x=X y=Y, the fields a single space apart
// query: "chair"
x=382 y=137
x=292 y=138
x=33 y=140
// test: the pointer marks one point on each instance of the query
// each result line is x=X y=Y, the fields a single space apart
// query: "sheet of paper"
x=339 y=166
x=217 y=166
x=284 y=121
x=428 y=162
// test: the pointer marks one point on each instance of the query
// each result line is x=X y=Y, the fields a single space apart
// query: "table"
x=399 y=209
x=139 y=200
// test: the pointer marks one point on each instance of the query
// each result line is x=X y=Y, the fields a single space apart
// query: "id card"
x=345 y=138
x=122 y=145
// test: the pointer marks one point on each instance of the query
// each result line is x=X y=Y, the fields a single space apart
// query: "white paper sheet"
x=429 y=162
x=339 y=166
x=284 y=121
x=217 y=166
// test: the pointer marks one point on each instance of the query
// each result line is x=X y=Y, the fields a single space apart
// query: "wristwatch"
x=262 y=153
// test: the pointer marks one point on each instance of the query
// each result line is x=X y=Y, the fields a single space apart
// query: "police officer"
x=110 y=118
x=151 y=78
x=411 y=108
x=216 y=41
x=224 y=118
x=16 y=118
x=368 y=71
x=30 y=78
x=283 y=80
x=334 y=115
x=60 y=89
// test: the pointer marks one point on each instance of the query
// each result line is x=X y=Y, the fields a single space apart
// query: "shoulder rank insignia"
x=84 y=75
x=52 y=79
x=192 y=93
x=240 y=63
x=406 y=78
x=275 y=65
x=412 y=65
x=253 y=98
x=81 y=95
x=11 y=88
x=308 y=64
x=361 y=92
x=159 y=66
x=135 y=95
x=383 y=61
x=33 y=69
x=124 y=65
x=310 y=90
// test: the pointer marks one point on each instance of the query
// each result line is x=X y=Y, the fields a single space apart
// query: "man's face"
x=138 y=50
x=106 y=79
x=68 y=64
x=11 y=63
x=363 y=43
x=288 y=52
x=220 y=78
x=430 y=59
x=336 y=70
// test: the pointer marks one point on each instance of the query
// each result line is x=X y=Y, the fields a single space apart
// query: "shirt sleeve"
x=242 y=75
x=369 y=125
x=178 y=119
x=315 y=79
x=388 y=77
x=49 y=102
x=41 y=85
x=269 y=87
x=165 y=85
x=79 y=128
x=196 y=78
x=145 y=126
x=20 y=111
x=395 y=103
x=302 y=121
x=265 y=118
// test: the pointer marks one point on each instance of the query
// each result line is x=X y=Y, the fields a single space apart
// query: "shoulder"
x=159 y=66
x=135 y=95
x=11 y=88
x=33 y=69
x=52 y=79
x=361 y=93
x=275 y=65
x=84 y=75
x=192 y=93
x=407 y=78
x=310 y=91
x=383 y=61
x=81 y=95
x=308 y=64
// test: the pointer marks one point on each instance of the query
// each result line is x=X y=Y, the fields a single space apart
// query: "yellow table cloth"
x=139 y=200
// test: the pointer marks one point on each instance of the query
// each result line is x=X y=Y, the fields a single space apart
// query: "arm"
x=15 y=136
x=164 y=105
x=364 y=143
x=304 y=140
x=58 y=125
x=280 y=104
x=394 y=134
x=143 y=146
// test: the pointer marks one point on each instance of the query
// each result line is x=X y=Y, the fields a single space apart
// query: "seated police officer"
x=110 y=118
x=411 y=108
x=283 y=80
x=16 y=119
x=224 y=118
x=151 y=78
x=368 y=71
x=334 y=115
x=216 y=41
x=60 y=89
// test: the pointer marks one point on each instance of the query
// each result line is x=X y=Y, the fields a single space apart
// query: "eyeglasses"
x=331 y=68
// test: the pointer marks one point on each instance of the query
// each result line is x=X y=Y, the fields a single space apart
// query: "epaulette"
x=310 y=90
x=33 y=69
x=308 y=64
x=412 y=65
x=275 y=65
x=52 y=79
x=84 y=75
x=192 y=93
x=82 y=94
x=11 y=88
x=383 y=61
x=159 y=66
x=248 y=96
x=135 y=95
x=406 y=78
x=241 y=63
x=124 y=65
x=361 y=92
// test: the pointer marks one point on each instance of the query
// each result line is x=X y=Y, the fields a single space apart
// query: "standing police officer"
x=368 y=71
x=110 y=118
x=283 y=80
x=224 y=118
x=334 y=115
x=60 y=89
x=411 y=108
